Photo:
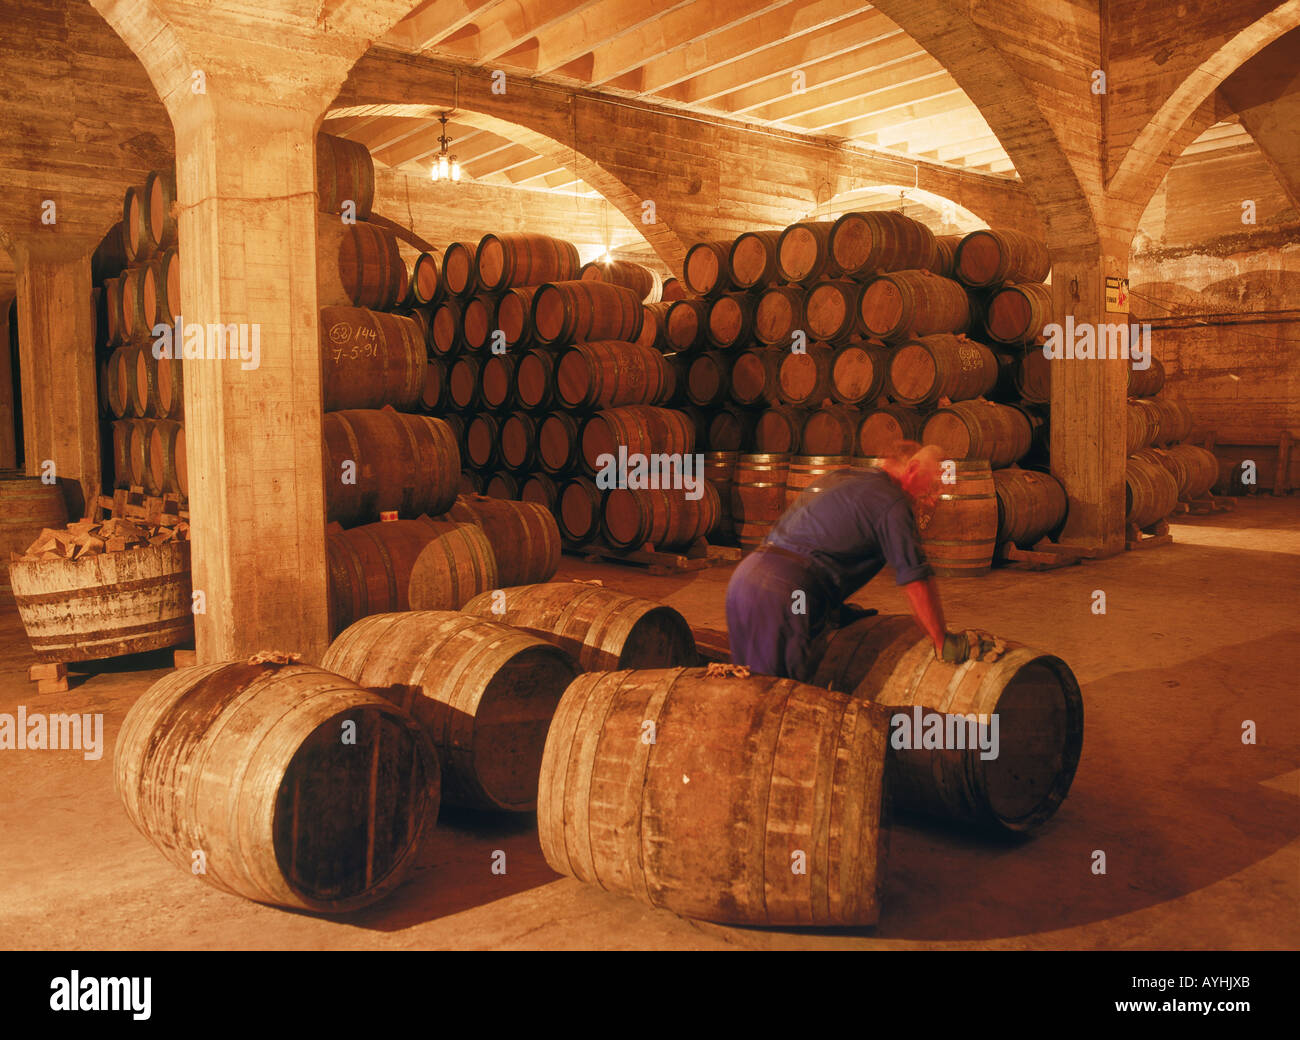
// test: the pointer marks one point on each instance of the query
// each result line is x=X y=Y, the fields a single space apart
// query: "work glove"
x=972 y=644
x=849 y=613
x=956 y=648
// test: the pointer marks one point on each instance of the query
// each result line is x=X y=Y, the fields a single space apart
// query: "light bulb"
x=455 y=170
x=442 y=167
x=433 y=172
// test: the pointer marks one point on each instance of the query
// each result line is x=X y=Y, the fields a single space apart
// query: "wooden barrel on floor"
x=445 y=338
x=752 y=262
x=409 y=463
x=959 y=535
x=779 y=315
x=663 y=517
x=105 y=605
x=831 y=310
x=911 y=304
x=602 y=629
x=484 y=694
x=979 y=430
x=245 y=762
x=1033 y=377
x=514 y=316
x=719 y=471
x=535 y=381
x=921 y=371
x=609 y=374
x=991 y=257
x=886 y=425
x=357 y=265
x=830 y=430
x=1030 y=505
x=559 y=446
x=1146 y=382
x=1150 y=492
x=686 y=325
x=476 y=321
x=168 y=468
x=758 y=496
x=579 y=513
x=370 y=359
x=803 y=253
x=27 y=506
x=754 y=376
x=859 y=372
x=507 y=261
x=524 y=536
x=640 y=429
x=1019 y=313
x=1201 y=468
x=863 y=243
x=641 y=280
x=345 y=173
x=731 y=319
x=803 y=378
x=567 y=312
x=1033 y=695
x=705 y=270
x=789 y=767
x=368 y=568
x=730 y=428
x=779 y=430
x=459 y=274
x=809 y=472
x=453 y=567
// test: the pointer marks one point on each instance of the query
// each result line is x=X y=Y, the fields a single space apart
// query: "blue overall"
x=826 y=546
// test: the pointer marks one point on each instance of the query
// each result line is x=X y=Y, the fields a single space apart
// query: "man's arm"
x=923 y=596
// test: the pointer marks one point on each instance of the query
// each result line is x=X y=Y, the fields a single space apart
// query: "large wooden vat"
x=27 y=506
x=298 y=787
x=753 y=800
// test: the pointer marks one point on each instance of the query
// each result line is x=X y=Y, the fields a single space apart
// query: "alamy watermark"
x=920 y=730
x=37 y=731
x=637 y=471
x=73 y=993
x=212 y=342
x=1100 y=342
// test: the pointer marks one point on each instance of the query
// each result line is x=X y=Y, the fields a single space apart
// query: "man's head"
x=915 y=469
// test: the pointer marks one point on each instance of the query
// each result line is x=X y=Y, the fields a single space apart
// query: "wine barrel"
x=476 y=317
x=754 y=376
x=566 y=312
x=518 y=442
x=168 y=469
x=912 y=304
x=510 y=261
x=107 y=604
x=779 y=430
x=803 y=253
x=542 y=490
x=921 y=371
x=120 y=375
x=459 y=273
x=524 y=536
x=455 y=565
x=1033 y=377
x=945 y=254
x=137 y=324
x=809 y=472
x=357 y=265
x=641 y=280
x=433 y=394
x=654 y=326
x=1019 y=313
x=135 y=227
x=1150 y=492
x=138 y=457
x=445 y=334
x=991 y=257
x=368 y=568
x=502 y=486
x=758 y=496
x=464 y=384
x=730 y=429
x=371 y=359
x=710 y=827
x=484 y=694
x=672 y=290
x=345 y=173
x=425 y=284
x=831 y=430
x=482 y=441
x=497 y=381
x=706 y=271
x=245 y=762
x=139 y=369
x=663 y=517
x=708 y=379
x=864 y=243
x=1030 y=505
x=731 y=319
x=959 y=535
x=639 y=429
x=979 y=430
x=28 y=505
x=607 y=374
x=1175 y=421
x=122 y=452
x=1201 y=467
x=803 y=379
x=470 y=483
x=1142 y=424
x=601 y=629
x=113 y=311
x=719 y=471
x=1145 y=382
x=886 y=425
x=167 y=287
x=831 y=310
x=752 y=261
x=408 y=463
x=686 y=325
x=535 y=381
x=1034 y=696
x=514 y=316
x=779 y=315
x=558 y=443
x=579 y=512
x=159 y=200
x=859 y=372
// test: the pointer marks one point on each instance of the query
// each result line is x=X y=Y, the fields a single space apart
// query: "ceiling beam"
x=510 y=28
x=433 y=23
x=889 y=110
x=861 y=95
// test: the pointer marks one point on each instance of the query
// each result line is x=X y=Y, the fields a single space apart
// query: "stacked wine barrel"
x=1162 y=470
x=136 y=270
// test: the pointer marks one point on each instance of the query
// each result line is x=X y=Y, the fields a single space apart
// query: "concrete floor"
x=1199 y=831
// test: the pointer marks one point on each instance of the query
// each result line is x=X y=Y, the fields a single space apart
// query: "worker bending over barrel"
x=824 y=549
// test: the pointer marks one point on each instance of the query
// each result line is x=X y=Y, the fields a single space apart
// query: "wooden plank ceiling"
x=828 y=68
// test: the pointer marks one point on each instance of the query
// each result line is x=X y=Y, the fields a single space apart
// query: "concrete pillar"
x=56 y=347
x=246 y=178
